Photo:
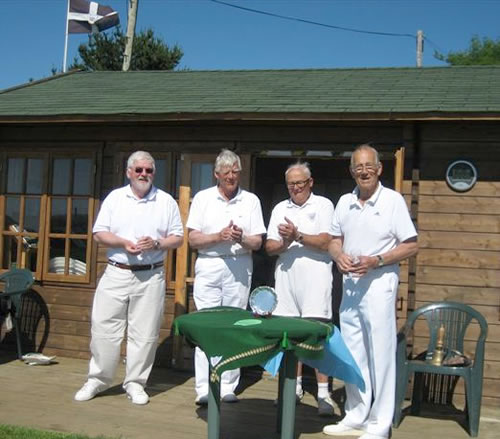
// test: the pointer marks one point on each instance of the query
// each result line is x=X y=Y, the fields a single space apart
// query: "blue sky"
x=214 y=36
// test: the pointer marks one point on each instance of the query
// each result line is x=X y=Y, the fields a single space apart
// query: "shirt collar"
x=372 y=200
x=237 y=197
x=150 y=196
x=309 y=201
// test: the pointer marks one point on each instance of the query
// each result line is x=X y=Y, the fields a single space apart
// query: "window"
x=47 y=212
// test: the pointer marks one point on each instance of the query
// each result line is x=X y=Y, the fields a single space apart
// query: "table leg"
x=288 y=393
x=281 y=380
x=213 y=409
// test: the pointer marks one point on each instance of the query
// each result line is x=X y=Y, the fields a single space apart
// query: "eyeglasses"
x=299 y=184
x=368 y=167
x=139 y=170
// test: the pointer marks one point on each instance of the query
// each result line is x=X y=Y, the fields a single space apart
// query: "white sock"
x=298 y=387
x=323 y=390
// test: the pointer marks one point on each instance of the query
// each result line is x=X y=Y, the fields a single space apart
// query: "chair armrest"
x=402 y=345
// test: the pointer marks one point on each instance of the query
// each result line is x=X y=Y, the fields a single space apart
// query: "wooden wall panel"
x=459 y=240
x=459 y=233
x=459 y=258
x=459 y=204
x=460 y=222
x=471 y=277
x=489 y=297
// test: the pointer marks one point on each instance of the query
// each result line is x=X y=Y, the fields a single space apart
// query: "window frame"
x=72 y=151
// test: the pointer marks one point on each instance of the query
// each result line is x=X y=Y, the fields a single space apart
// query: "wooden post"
x=399 y=169
x=131 y=21
x=180 y=301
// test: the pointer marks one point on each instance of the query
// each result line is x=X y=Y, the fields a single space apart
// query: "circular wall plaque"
x=461 y=175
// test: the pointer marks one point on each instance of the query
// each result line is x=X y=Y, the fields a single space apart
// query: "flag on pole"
x=86 y=17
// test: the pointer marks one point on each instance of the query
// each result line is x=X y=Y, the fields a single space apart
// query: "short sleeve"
x=175 y=222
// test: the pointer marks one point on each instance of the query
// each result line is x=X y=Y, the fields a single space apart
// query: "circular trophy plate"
x=263 y=300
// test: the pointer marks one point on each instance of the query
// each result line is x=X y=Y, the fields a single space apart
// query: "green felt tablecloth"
x=242 y=339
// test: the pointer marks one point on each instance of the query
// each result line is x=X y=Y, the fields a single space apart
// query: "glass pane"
x=82 y=177
x=61 y=178
x=79 y=216
x=30 y=252
x=202 y=177
x=58 y=216
x=12 y=209
x=9 y=255
x=34 y=180
x=161 y=175
x=56 y=256
x=32 y=214
x=178 y=170
x=125 y=178
x=78 y=257
x=15 y=175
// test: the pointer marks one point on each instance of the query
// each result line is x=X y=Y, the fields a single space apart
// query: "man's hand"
x=288 y=231
x=145 y=243
x=237 y=233
x=226 y=234
x=132 y=248
x=357 y=266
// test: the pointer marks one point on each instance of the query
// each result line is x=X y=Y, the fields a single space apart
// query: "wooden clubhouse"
x=64 y=142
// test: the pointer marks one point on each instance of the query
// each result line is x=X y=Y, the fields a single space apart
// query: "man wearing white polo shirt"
x=299 y=231
x=138 y=224
x=225 y=225
x=373 y=232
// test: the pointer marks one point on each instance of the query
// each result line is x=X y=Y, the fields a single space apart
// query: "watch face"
x=263 y=300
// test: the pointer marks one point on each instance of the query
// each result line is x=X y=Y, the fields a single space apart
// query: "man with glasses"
x=299 y=232
x=138 y=224
x=373 y=232
x=225 y=225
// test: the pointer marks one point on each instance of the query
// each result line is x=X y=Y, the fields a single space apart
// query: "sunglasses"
x=139 y=170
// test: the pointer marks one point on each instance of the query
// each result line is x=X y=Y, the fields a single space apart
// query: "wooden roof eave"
x=254 y=116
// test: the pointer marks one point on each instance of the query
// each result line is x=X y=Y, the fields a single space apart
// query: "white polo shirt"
x=210 y=212
x=375 y=227
x=125 y=215
x=312 y=218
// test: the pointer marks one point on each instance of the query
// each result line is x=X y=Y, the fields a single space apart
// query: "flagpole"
x=66 y=40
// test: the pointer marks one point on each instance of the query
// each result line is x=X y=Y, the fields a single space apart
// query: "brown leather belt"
x=135 y=267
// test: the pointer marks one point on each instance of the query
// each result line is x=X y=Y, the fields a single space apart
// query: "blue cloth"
x=336 y=362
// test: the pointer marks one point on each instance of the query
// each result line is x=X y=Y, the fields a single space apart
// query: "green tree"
x=104 y=51
x=480 y=52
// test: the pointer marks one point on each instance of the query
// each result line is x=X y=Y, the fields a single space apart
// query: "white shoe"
x=136 y=393
x=229 y=397
x=341 y=430
x=89 y=390
x=201 y=400
x=325 y=406
x=299 y=394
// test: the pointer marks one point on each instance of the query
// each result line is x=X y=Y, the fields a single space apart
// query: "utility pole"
x=420 y=47
x=131 y=21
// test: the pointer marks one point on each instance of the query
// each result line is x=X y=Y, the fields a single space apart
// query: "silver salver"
x=263 y=300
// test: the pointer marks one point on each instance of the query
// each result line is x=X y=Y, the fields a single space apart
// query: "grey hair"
x=365 y=147
x=303 y=166
x=140 y=155
x=227 y=159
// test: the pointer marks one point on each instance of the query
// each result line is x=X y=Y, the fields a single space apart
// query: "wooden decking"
x=42 y=397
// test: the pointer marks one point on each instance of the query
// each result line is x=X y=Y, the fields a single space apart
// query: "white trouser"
x=126 y=299
x=220 y=282
x=368 y=325
x=304 y=288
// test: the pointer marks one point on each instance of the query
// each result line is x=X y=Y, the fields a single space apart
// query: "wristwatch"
x=380 y=262
x=156 y=245
x=300 y=238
